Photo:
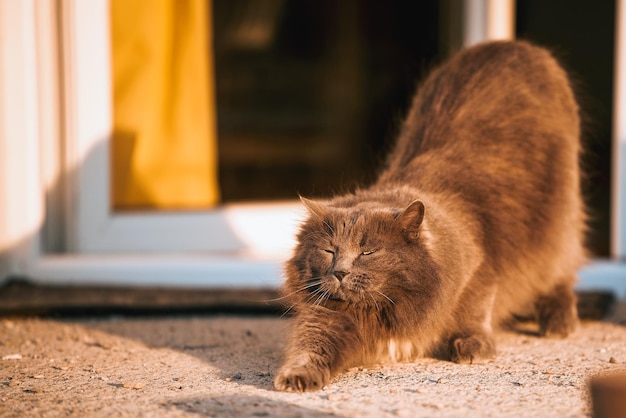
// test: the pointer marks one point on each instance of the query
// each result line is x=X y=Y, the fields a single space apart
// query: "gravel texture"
x=224 y=367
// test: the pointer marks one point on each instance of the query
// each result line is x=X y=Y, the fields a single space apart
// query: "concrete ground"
x=223 y=366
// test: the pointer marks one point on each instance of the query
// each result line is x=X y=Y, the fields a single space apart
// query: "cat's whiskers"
x=307 y=300
x=374 y=299
x=288 y=310
x=306 y=287
x=385 y=296
x=316 y=282
x=317 y=294
x=322 y=296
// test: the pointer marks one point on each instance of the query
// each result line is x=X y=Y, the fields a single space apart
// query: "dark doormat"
x=21 y=297
x=18 y=296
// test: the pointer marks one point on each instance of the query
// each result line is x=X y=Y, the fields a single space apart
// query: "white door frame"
x=30 y=110
x=97 y=228
x=618 y=210
x=485 y=20
x=236 y=245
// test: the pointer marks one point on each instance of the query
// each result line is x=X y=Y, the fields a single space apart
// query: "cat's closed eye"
x=326 y=250
x=370 y=252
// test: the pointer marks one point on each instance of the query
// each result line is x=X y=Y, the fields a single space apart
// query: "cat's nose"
x=340 y=275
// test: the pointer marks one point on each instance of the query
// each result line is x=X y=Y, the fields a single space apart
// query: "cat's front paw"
x=471 y=349
x=301 y=379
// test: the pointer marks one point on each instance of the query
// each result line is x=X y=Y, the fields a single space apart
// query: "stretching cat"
x=476 y=217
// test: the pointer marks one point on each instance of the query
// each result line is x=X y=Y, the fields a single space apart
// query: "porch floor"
x=223 y=365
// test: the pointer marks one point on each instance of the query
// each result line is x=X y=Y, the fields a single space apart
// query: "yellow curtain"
x=164 y=148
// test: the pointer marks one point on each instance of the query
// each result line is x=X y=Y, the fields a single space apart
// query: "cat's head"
x=363 y=255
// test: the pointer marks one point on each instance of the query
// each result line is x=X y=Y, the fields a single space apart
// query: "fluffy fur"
x=476 y=217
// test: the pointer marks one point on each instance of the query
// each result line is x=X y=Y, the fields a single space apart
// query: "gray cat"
x=476 y=217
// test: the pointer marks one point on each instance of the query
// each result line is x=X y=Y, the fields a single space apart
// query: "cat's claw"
x=301 y=379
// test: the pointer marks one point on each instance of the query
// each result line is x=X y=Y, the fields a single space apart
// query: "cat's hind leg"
x=557 y=314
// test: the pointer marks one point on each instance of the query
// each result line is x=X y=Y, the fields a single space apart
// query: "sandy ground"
x=224 y=366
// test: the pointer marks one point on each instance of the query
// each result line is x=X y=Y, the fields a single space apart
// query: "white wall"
x=21 y=204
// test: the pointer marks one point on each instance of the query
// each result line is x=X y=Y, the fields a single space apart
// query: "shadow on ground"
x=244 y=351
x=244 y=406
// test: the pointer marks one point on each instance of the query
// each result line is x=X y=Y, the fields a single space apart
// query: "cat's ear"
x=411 y=220
x=316 y=209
